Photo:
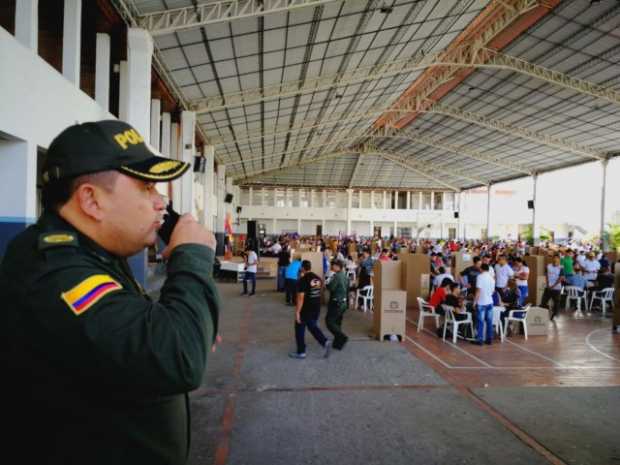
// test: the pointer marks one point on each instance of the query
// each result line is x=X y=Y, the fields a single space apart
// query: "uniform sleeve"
x=155 y=347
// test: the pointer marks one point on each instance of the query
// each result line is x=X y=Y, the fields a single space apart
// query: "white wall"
x=36 y=101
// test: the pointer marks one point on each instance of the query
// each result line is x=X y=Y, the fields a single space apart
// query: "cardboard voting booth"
x=617 y=298
x=462 y=261
x=416 y=276
x=390 y=301
x=536 y=285
x=316 y=258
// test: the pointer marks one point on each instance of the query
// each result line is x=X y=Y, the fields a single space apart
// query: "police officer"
x=97 y=372
x=338 y=289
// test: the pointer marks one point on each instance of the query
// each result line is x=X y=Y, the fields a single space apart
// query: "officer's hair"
x=306 y=265
x=57 y=193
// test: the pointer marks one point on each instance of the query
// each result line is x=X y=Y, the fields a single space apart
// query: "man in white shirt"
x=251 y=266
x=522 y=273
x=503 y=273
x=591 y=267
x=554 y=277
x=441 y=276
x=581 y=259
x=483 y=301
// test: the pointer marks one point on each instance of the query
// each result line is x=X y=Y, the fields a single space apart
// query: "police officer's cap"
x=107 y=145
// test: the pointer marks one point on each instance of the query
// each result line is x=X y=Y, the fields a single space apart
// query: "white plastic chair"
x=578 y=295
x=426 y=310
x=451 y=320
x=351 y=276
x=497 y=321
x=512 y=316
x=605 y=296
x=367 y=294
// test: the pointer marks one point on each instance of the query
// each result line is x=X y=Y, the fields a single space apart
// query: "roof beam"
x=464 y=57
x=354 y=172
x=182 y=19
x=523 y=133
x=298 y=164
x=497 y=26
x=436 y=142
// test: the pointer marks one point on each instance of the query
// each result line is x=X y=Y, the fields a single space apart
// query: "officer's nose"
x=159 y=202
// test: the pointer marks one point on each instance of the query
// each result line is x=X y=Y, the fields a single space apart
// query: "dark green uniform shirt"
x=338 y=287
x=96 y=372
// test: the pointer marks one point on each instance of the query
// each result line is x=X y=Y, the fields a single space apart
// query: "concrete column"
x=408 y=200
x=139 y=57
x=385 y=202
x=604 y=244
x=187 y=152
x=274 y=225
x=138 y=106
x=71 y=41
x=534 y=225
x=372 y=199
x=432 y=200
x=489 y=233
x=209 y=154
x=27 y=23
x=349 y=206
x=395 y=228
x=420 y=197
x=155 y=138
x=310 y=198
x=324 y=202
x=372 y=228
x=323 y=226
x=298 y=225
x=18 y=190
x=251 y=196
x=123 y=92
x=174 y=153
x=221 y=209
x=460 y=218
x=165 y=135
x=102 y=71
x=395 y=194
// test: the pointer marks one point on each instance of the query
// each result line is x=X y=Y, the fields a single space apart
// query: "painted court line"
x=505 y=368
x=480 y=361
x=533 y=352
x=600 y=352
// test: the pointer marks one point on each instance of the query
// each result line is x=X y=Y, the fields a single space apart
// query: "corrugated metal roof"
x=576 y=38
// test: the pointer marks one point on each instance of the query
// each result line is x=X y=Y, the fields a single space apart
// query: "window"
x=392 y=200
x=342 y=199
x=269 y=198
x=280 y=196
x=257 y=197
x=245 y=197
x=378 y=202
x=449 y=201
x=331 y=199
x=402 y=200
x=317 y=199
x=365 y=200
x=426 y=200
x=292 y=198
x=438 y=200
x=404 y=232
x=355 y=199
x=304 y=198
x=415 y=200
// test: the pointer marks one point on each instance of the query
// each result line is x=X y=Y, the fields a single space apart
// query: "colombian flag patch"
x=89 y=292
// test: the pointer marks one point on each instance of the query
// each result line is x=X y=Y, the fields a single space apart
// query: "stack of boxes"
x=390 y=300
x=416 y=276
x=536 y=282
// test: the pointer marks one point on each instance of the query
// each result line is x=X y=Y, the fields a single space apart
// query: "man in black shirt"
x=284 y=260
x=307 y=311
x=471 y=273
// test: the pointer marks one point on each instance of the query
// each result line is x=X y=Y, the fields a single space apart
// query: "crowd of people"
x=497 y=277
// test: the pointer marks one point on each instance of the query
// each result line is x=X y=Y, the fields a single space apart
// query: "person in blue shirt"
x=577 y=280
x=291 y=276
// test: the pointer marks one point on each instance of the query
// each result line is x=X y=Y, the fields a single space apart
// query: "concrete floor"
x=375 y=403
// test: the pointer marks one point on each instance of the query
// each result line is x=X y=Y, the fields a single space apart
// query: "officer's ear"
x=88 y=197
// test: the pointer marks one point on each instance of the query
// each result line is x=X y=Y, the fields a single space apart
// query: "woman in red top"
x=440 y=294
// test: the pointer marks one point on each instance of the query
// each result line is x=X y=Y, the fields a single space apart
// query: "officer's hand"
x=218 y=340
x=189 y=231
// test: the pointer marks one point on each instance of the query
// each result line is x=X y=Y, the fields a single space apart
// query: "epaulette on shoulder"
x=56 y=239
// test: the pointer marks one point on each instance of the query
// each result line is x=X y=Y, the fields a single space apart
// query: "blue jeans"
x=523 y=297
x=300 y=334
x=484 y=314
x=251 y=277
x=281 y=272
